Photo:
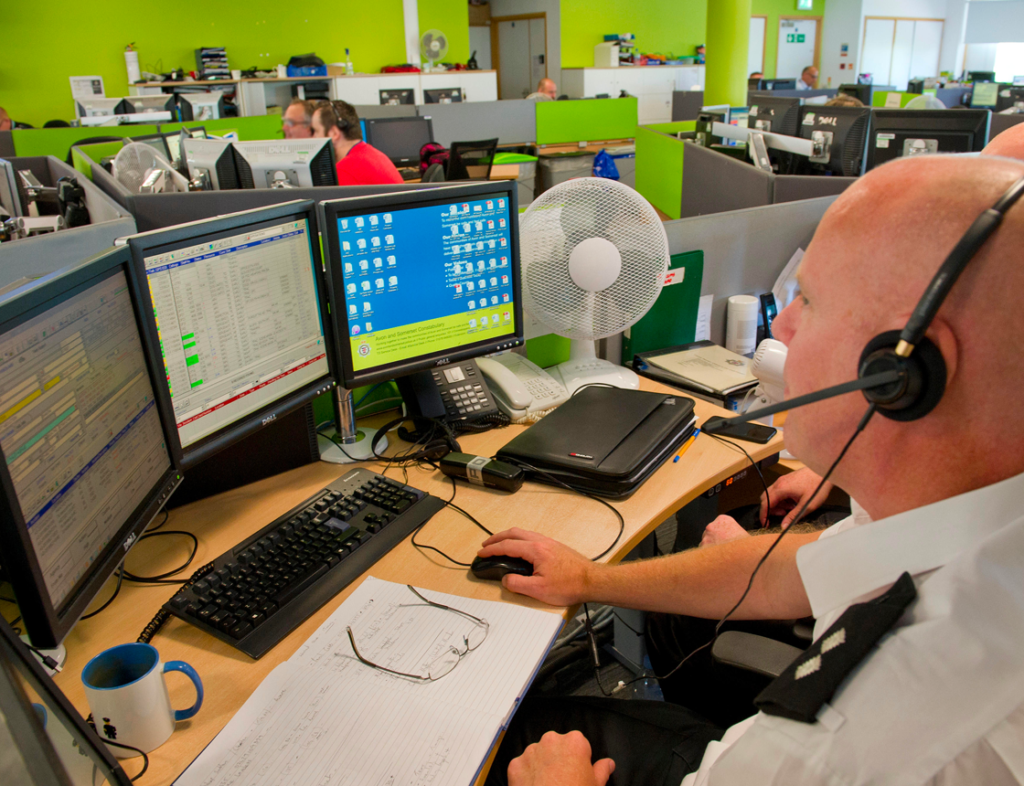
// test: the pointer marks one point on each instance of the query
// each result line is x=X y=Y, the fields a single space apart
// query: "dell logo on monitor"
x=443 y=362
x=266 y=420
x=129 y=542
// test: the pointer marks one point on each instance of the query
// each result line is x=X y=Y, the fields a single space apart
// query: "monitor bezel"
x=47 y=626
x=146 y=138
x=901 y=120
x=332 y=210
x=374 y=122
x=786 y=103
x=242 y=150
x=161 y=240
x=853 y=112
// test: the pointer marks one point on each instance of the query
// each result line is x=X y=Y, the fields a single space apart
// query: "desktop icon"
x=480 y=245
x=352 y=309
x=492 y=264
x=361 y=244
x=387 y=218
x=504 y=261
x=389 y=239
x=369 y=326
x=346 y=246
x=355 y=330
x=501 y=203
x=476 y=208
x=504 y=242
x=359 y=221
x=373 y=221
x=483 y=321
x=458 y=289
x=380 y=283
x=344 y=224
x=455 y=230
x=480 y=265
x=492 y=244
x=472 y=323
x=375 y=242
x=479 y=226
x=366 y=286
x=504 y=298
x=364 y=265
x=494 y=300
x=501 y=223
x=483 y=302
x=453 y=210
x=367 y=308
x=465 y=207
x=378 y=263
x=472 y=306
x=504 y=279
x=348 y=268
x=470 y=286
x=351 y=289
x=391 y=261
x=494 y=281
x=483 y=283
x=393 y=281
x=506 y=316
x=490 y=224
x=490 y=204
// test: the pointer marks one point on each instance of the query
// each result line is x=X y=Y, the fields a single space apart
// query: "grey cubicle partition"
x=1001 y=122
x=827 y=92
x=745 y=250
x=686 y=104
x=6 y=144
x=106 y=182
x=512 y=122
x=714 y=182
x=952 y=96
x=373 y=111
x=35 y=256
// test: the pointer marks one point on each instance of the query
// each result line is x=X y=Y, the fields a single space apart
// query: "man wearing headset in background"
x=359 y=164
x=940 y=698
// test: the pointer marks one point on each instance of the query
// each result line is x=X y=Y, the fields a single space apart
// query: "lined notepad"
x=324 y=719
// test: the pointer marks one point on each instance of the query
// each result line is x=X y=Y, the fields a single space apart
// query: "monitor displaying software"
x=423 y=278
x=238 y=313
x=86 y=462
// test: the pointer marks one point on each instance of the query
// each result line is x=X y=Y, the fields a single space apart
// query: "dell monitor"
x=286 y=163
x=862 y=92
x=400 y=138
x=780 y=84
x=150 y=104
x=86 y=447
x=450 y=95
x=422 y=280
x=201 y=106
x=896 y=133
x=174 y=140
x=777 y=115
x=985 y=95
x=211 y=163
x=839 y=135
x=981 y=76
x=915 y=86
x=101 y=107
x=237 y=307
x=396 y=97
x=1010 y=98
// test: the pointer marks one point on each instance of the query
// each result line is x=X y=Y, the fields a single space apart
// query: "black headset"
x=919 y=363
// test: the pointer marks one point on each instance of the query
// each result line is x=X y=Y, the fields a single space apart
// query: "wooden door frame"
x=764 y=42
x=496 y=45
x=895 y=22
x=819 y=24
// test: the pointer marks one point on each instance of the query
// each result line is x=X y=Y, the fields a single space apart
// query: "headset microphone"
x=901 y=372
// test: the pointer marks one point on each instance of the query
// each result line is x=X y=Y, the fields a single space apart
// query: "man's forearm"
x=707 y=582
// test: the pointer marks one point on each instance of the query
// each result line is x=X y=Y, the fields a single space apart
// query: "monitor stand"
x=355 y=442
x=58 y=653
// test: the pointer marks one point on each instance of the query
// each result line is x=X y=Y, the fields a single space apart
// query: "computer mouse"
x=493 y=568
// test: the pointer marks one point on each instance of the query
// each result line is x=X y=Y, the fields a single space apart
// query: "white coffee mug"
x=128 y=697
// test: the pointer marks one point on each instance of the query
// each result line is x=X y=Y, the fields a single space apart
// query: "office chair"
x=434 y=174
x=89 y=140
x=471 y=160
x=56 y=124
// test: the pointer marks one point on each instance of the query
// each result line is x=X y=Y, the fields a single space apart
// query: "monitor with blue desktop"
x=399 y=138
x=87 y=460
x=896 y=133
x=239 y=308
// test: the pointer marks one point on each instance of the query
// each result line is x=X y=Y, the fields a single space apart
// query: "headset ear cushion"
x=924 y=384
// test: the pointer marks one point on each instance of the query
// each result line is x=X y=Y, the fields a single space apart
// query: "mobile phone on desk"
x=751 y=432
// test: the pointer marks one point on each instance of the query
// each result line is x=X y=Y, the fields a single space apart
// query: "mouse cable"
x=750 y=583
x=162 y=578
x=567 y=487
x=450 y=504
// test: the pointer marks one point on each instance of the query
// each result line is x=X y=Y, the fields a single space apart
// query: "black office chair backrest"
x=434 y=174
x=56 y=124
x=471 y=160
x=91 y=140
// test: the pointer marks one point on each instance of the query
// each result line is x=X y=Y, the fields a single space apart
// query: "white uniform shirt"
x=940 y=700
x=802 y=85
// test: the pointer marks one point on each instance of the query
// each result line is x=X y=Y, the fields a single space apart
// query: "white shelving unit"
x=652 y=85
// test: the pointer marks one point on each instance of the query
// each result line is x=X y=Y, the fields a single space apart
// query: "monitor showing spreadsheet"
x=238 y=308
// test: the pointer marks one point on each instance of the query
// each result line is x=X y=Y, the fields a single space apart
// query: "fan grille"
x=133 y=162
x=568 y=214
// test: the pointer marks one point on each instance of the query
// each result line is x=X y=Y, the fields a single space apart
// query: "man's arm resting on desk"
x=704 y=582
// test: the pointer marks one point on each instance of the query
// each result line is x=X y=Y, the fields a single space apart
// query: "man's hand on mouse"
x=561 y=576
x=559 y=760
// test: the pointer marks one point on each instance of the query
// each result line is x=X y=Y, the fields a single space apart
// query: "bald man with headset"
x=916 y=674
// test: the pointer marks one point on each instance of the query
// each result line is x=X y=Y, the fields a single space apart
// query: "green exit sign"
x=804 y=5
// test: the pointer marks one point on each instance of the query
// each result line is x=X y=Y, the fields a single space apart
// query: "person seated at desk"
x=756 y=75
x=808 y=79
x=6 y=124
x=296 y=122
x=939 y=698
x=546 y=90
x=842 y=99
x=359 y=164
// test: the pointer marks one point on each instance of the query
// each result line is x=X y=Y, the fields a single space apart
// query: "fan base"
x=574 y=374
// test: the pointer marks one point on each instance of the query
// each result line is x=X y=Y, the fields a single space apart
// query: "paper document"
x=324 y=718
x=712 y=367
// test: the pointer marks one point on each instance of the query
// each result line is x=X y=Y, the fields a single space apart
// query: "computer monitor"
x=985 y=95
x=839 y=135
x=908 y=132
x=396 y=97
x=915 y=86
x=1010 y=97
x=399 y=138
x=285 y=163
x=981 y=76
x=212 y=162
x=156 y=141
x=423 y=279
x=703 y=128
x=755 y=84
x=101 y=107
x=10 y=199
x=237 y=308
x=201 y=106
x=448 y=95
x=150 y=104
x=87 y=460
x=47 y=741
x=862 y=92
x=780 y=84
x=776 y=114
x=174 y=140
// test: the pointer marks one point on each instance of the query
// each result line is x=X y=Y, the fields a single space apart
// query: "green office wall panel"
x=659 y=166
x=725 y=76
x=773 y=9
x=660 y=26
x=577 y=121
x=880 y=98
x=45 y=44
x=451 y=17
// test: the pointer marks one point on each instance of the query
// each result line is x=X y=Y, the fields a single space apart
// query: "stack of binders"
x=212 y=63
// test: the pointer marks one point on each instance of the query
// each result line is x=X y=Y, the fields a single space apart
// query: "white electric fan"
x=768 y=365
x=142 y=170
x=594 y=257
x=433 y=48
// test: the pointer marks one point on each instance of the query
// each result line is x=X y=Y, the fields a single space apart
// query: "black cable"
x=161 y=578
x=594 y=655
x=49 y=662
x=154 y=625
x=341 y=445
x=753 y=463
x=632 y=630
x=450 y=504
x=592 y=385
x=9 y=600
x=145 y=759
x=158 y=526
x=117 y=589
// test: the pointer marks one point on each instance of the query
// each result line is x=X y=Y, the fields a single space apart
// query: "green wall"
x=664 y=26
x=75 y=41
x=773 y=9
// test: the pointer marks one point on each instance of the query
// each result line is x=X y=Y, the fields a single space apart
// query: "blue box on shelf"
x=307 y=70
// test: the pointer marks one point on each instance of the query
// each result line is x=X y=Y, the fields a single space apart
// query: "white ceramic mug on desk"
x=128 y=697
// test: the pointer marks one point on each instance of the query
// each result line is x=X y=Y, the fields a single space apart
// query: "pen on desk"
x=686 y=445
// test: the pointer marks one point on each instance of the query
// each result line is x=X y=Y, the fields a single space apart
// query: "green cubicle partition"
x=659 y=165
x=880 y=98
x=586 y=120
x=57 y=141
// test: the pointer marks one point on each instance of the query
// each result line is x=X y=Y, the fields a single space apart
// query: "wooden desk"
x=229 y=677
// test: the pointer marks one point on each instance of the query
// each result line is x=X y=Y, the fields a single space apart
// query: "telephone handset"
x=521 y=389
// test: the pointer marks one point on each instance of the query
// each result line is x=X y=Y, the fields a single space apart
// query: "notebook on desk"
x=324 y=717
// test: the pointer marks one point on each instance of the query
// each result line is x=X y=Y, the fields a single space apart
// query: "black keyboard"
x=267 y=585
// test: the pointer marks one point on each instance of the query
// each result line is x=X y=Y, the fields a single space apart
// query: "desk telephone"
x=521 y=389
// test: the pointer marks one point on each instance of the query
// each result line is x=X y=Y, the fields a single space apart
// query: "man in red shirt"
x=359 y=164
